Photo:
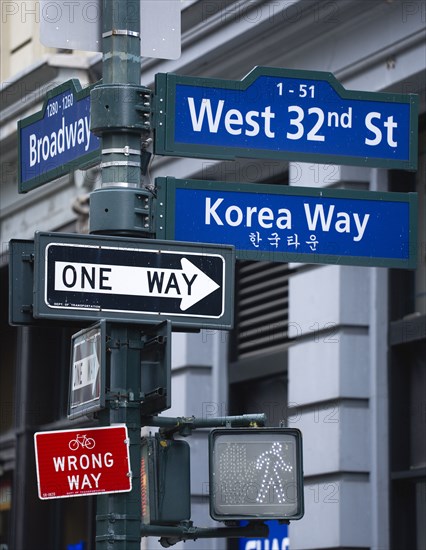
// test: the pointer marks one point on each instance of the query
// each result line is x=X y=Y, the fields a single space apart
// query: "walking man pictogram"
x=273 y=465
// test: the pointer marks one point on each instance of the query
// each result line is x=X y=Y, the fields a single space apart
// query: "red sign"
x=89 y=461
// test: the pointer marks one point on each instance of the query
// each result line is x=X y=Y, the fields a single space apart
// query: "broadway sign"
x=57 y=139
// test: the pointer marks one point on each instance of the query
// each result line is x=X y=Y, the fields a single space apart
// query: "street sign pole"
x=118 y=514
x=112 y=115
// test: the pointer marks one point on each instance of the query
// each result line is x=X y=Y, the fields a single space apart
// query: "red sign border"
x=74 y=431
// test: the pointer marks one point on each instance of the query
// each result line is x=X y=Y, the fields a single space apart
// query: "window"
x=261 y=308
x=5 y=507
x=407 y=396
x=7 y=359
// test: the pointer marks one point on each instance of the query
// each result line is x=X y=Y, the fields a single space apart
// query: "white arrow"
x=189 y=283
x=85 y=372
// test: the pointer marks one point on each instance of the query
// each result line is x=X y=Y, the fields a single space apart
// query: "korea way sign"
x=57 y=139
x=93 y=277
x=86 y=461
x=285 y=114
x=292 y=224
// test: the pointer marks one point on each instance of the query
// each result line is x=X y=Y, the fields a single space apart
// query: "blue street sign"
x=57 y=139
x=292 y=224
x=277 y=540
x=285 y=114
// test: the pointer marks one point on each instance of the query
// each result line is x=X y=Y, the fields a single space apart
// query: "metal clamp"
x=120 y=107
x=120 y=163
x=121 y=184
x=120 y=32
x=112 y=517
x=125 y=150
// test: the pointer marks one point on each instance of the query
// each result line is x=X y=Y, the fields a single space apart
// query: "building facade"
x=336 y=351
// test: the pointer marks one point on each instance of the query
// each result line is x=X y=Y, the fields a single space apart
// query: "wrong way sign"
x=92 y=277
x=87 y=461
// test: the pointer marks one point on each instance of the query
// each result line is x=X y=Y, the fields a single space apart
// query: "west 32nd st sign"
x=285 y=114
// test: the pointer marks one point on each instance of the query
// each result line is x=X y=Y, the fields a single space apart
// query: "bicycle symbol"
x=81 y=440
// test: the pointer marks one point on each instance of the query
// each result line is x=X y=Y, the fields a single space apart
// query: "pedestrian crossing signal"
x=256 y=473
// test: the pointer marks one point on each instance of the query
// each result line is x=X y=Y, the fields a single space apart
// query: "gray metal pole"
x=120 y=68
x=120 y=115
x=119 y=515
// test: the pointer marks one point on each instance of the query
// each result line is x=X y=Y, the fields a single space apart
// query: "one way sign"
x=93 y=277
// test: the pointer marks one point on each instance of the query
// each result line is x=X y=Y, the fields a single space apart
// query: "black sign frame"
x=52 y=304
